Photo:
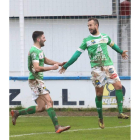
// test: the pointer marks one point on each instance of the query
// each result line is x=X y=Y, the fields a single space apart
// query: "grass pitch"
x=82 y=128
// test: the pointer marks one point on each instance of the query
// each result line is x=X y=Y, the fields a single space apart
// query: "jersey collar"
x=36 y=47
x=96 y=35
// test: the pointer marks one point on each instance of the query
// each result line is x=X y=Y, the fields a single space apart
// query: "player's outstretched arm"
x=117 y=49
x=123 y=53
x=38 y=68
x=52 y=62
x=70 y=62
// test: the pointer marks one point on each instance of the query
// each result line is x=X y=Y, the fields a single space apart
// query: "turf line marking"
x=68 y=131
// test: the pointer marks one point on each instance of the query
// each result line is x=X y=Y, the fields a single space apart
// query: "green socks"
x=98 y=101
x=29 y=110
x=53 y=116
x=119 y=97
x=32 y=110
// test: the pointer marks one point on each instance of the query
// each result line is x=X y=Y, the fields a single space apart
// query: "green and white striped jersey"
x=35 y=55
x=97 y=49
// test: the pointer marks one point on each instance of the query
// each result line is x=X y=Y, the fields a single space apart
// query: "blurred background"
x=64 y=23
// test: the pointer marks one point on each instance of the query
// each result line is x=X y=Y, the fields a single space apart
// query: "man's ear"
x=38 y=39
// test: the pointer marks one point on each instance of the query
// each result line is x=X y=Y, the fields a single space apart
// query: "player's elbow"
x=37 y=69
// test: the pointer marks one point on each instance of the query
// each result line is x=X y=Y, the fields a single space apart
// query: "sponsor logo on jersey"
x=99 y=56
x=109 y=96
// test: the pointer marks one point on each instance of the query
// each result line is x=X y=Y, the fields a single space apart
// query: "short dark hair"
x=37 y=34
x=95 y=20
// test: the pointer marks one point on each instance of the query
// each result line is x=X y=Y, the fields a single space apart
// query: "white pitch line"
x=68 y=131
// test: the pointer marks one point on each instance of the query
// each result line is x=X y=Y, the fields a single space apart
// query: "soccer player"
x=40 y=94
x=102 y=67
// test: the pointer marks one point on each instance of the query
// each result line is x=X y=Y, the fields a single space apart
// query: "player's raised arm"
x=74 y=57
x=70 y=62
x=117 y=49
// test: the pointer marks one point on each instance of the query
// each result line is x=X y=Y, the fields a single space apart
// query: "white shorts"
x=103 y=75
x=38 y=88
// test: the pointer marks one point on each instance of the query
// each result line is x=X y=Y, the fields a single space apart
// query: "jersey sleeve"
x=110 y=42
x=35 y=56
x=73 y=59
x=83 y=46
x=43 y=54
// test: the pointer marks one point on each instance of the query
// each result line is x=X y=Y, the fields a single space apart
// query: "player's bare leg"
x=52 y=114
x=40 y=104
x=98 y=101
x=119 y=97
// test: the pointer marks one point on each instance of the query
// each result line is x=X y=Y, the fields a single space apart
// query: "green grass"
x=86 y=128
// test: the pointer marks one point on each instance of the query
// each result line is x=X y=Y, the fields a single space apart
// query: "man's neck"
x=98 y=33
x=37 y=45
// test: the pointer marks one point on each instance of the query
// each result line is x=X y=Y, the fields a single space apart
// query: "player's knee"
x=99 y=93
x=50 y=104
x=118 y=87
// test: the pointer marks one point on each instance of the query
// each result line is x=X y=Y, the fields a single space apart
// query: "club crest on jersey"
x=103 y=40
x=41 y=56
x=93 y=41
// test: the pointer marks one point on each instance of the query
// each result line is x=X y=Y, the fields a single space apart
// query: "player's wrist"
x=121 y=51
x=65 y=67
x=52 y=68
x=48 y=68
